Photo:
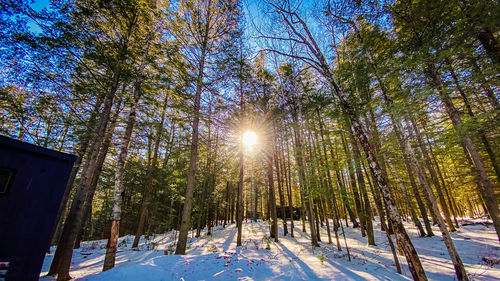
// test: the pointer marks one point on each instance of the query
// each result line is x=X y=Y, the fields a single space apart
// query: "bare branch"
x=314 y=64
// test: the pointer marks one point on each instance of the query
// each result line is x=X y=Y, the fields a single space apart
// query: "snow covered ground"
x=217 y=258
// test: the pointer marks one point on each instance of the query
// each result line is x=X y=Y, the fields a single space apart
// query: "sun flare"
x=249 y=138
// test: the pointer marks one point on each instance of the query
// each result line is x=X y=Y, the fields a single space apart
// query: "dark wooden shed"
x=32 y=183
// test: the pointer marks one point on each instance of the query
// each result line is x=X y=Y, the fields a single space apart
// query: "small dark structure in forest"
x=32 y=183
x=253 y=215
x=296 y=212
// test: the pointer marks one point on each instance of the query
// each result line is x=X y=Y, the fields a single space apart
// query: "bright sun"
x=249 y=138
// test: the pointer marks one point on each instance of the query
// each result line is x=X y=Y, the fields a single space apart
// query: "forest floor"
x=217 y=258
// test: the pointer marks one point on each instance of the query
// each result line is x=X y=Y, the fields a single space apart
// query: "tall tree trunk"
x=489 y=43
x=325 y=70
x=362 y=188
x=109 y=258
x=434 y=177
x=226 y=208
x=148 y=187
x=87 y=219
x=324 y=141
x=409 y=203
x=272 y=199
x=375 y=135
x=441 y=179
x=239 y=204
x=82 y=150
x=459 y=268
x=233 y=200
x=457 y=262
x=62 y=258
x=201 y=215
x=455 y=258
x=343 y=192
x=397 y=130
x=314 y=183
x=193 y=161
x=213 y=179
x=414 y=263
x=423 y=211
x=384 y=227
x=62 y=212
x=279 y=179
x=482 y=133
x=256 y=199
x=324 y=210
x=317 y=220
x=302 y=180
x=354 y=187
x=487 y=190
x=288 y=181
x=170 y=145
x=322 y=177
x=490 y=94
x=204 y=203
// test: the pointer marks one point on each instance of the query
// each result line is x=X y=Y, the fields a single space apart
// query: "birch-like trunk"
x=109 y=258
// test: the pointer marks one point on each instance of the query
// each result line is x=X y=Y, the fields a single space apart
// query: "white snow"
x=217 y=258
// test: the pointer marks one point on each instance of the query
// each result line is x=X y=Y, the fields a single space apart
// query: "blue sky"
x=251 y=10
x=40 y=4
x=254 y=17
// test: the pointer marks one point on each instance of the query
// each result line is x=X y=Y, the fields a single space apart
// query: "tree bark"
x=288 y=181
x=82 y=150
x=87 y=219
x=193 y=160
x=487 y=189
x=62 y=258
x=324 y=142
x=281 y=195
x=314 y=184
x=397 y=130
x=149 y=188
x=362 y=188
x=354 y=187
x=414 y=263
x=239 y=204
x=488 y=91
x=455 y=258
x=384 y=227
x=482 y=133
x=109 y=259
x=489 y=43
x=272 y=199
x=61 y=213
x=434 y=177
x=302 y=180
x=291 y=19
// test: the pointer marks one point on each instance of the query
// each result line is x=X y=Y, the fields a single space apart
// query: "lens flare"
x=249 y=138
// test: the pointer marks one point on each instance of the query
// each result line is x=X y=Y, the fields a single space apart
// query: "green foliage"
x=58 y=65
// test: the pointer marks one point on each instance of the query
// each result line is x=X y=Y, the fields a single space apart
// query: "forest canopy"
x=189 y=114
